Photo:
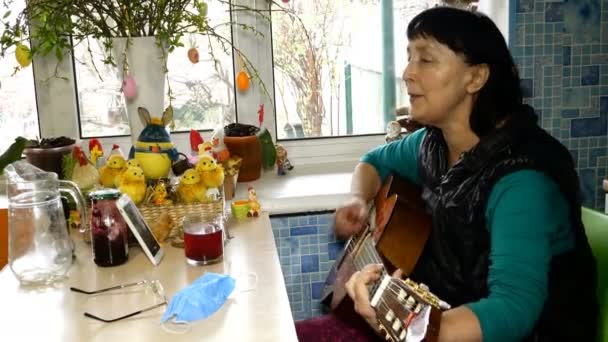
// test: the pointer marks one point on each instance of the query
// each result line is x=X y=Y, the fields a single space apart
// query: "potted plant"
x=242 y=140
x=136 y=35
x=47 y=154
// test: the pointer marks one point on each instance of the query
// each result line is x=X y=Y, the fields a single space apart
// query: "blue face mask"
x=201 y=299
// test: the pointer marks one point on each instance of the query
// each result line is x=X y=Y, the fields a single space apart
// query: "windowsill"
x=307 y=188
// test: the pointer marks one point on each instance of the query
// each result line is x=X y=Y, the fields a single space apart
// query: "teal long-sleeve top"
x=527 y=217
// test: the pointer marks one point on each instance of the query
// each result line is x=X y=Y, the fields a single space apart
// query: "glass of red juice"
x=203 y=240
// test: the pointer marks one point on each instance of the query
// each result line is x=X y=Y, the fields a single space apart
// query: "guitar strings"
x=370 y=256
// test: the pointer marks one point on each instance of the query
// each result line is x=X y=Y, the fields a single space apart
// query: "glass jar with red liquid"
x=203 y=240
x=109 y=231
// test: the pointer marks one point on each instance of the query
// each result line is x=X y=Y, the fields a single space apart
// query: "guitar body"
x=402 y=224
x=402 y=227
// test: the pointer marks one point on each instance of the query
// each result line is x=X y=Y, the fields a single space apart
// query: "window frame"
x=61 y=117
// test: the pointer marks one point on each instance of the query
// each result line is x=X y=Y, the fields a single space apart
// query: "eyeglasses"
x=155 y=285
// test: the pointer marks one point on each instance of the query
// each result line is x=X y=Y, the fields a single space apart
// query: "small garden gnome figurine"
x=283 y=164
x=393 y=132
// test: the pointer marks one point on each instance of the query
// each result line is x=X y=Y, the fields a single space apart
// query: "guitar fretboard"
x=367 y=254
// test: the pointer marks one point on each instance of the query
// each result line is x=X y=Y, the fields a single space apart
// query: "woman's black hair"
x=479 y=41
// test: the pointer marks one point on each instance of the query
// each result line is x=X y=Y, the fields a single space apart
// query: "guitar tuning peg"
x=423 y=287
x=410 y=302
x=444 y=306
x=402 y=335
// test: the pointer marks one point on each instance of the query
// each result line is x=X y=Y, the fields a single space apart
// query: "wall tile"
x=524 y=6
x=590 y=75
x=554 y=12
x=582 y=20
x=334 y=249
x=304 y=259
x=303 y=231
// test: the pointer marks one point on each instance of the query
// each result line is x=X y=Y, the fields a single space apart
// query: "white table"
x=56 y=314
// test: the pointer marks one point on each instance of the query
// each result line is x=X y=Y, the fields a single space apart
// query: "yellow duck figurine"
x=116 y=165
x=159 y=197
x=212 y=175
x=130 y=163
x=133 y=183
x=154 y=149
x=190 y=188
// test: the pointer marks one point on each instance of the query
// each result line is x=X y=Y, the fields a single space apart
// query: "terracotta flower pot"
x=249 y=149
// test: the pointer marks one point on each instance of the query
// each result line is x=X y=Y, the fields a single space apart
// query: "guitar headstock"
x=403 y=308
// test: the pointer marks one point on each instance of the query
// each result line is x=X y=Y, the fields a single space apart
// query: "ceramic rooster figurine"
x=133 y=183
x=95 y=150
x=254 y=205
x=84 y=174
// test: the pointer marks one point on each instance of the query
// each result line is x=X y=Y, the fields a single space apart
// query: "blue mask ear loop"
x=252 y=283
x=183 y=327
x=252 y=286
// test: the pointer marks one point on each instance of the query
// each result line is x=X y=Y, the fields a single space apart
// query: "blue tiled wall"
x=561 y=48
x=307 y=251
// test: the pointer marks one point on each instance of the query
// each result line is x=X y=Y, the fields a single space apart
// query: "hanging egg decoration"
x=242 y=81
x=193 y=55
x=23 y=55
x=129 y=87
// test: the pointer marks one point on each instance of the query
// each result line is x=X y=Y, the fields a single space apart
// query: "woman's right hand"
x=352 y=217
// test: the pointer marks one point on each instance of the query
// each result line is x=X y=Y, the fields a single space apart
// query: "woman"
x=507 y=249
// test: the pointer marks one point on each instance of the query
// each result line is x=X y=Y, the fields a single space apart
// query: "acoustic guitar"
x=400 y=229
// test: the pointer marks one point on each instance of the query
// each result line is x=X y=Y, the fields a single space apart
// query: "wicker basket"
x=211 y=211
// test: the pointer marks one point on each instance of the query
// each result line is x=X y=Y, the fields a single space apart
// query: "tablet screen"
x=140 y=225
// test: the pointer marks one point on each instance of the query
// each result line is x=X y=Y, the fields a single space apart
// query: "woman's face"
x=436 y=79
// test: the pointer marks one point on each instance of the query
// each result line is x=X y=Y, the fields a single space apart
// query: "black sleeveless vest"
x=455 y=261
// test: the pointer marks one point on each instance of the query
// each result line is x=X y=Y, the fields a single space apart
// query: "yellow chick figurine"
x=190 y=188
x=211 y=173
x=159 y=197
x=130 y=163
x=115 y=165
x=133 y=183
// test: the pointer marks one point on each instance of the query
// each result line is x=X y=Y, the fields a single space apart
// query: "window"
x=328 y=76
x=203 y=93
x=18 y=112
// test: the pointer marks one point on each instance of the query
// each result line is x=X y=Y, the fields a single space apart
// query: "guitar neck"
x=366 y=254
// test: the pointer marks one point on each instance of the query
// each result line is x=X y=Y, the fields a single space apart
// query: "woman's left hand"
x=356 y=287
